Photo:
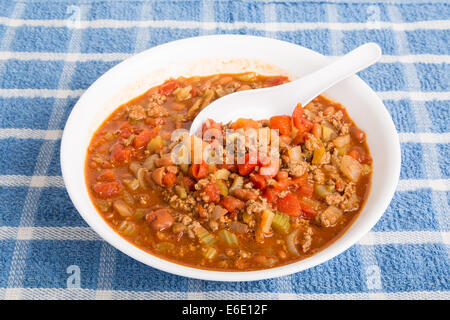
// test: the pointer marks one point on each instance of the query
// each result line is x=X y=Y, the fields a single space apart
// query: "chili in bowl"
x=250 y=216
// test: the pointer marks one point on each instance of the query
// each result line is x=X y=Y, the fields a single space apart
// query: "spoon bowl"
x=281 y=100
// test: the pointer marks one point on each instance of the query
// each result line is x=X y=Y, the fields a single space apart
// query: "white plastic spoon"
x=281 y=100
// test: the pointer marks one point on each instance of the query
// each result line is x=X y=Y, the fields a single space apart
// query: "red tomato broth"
x=176 y=246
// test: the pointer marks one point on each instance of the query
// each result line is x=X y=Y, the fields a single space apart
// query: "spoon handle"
x=315 y=83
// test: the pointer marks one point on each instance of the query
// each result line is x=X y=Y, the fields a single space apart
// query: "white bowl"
x=227 y=54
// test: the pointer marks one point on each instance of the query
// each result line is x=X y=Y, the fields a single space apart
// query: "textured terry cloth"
x=51 y=51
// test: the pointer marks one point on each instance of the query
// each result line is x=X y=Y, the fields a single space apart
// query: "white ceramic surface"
x=280 y=100
x=226 y=54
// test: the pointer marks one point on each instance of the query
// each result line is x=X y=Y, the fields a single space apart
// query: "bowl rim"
x=178 y=269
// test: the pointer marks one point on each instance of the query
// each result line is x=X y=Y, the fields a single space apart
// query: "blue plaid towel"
x=50 y=51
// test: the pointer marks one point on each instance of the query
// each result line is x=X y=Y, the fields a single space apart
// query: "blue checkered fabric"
x=51 y=51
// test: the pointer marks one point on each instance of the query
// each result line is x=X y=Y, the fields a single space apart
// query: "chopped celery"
x=222 y=174
x=141 y=177
x=181 y=192
x=327 y=133
x=205 y=237
x=210 y=253
x=156 y=144
x=246 y=217
x=220 y=92
x=104 y=206
x=182 y=94
x=127 y=228
x=195 y=108
x=164 y=247
x=222 y=187
x=139 y=213
x=207 y=97
x=323 y=190
x=266 y=221
x=128 y=198
x=343 y=150
x=249 y=77
x=177 y=116
x=280 y=222
x=318 y=155
x=132 y=184
x=228 y=238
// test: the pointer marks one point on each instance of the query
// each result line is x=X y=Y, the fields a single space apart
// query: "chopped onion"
x=239 y=227
x=351 y=168
x=134 y=167
x=342 y=141
x=149 y=163
x=122 y=208
x=290 y=242
x=141 y=177
x=218 y=212
x=295 y=154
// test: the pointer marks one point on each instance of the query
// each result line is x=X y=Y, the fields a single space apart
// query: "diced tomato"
x=270 y=168
x=246 y=168
x=259 y=181
x=143 y=138
x=271 y=194
x=289 y=205
x=120 y=154
x=125 y=130
x=202 y=212
x=169 y=179
x=275 y=81
x=231 y=203
x=199 y=171
x=107 y=189
x=229 y=166
x=281 y=185
x=154 y=121
x=188 y=183
x=307 y=211
x=107 y=175
x=300 y=138
x=282 y=124
x=360 y=155
x=213 y=192
x=168 y=87
x=214 y=129
x=302 y=124
x=297 y=115
x=282 y=174
x=298 y=181
x=305 y=190
x=251 y=161
x=242 y=123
